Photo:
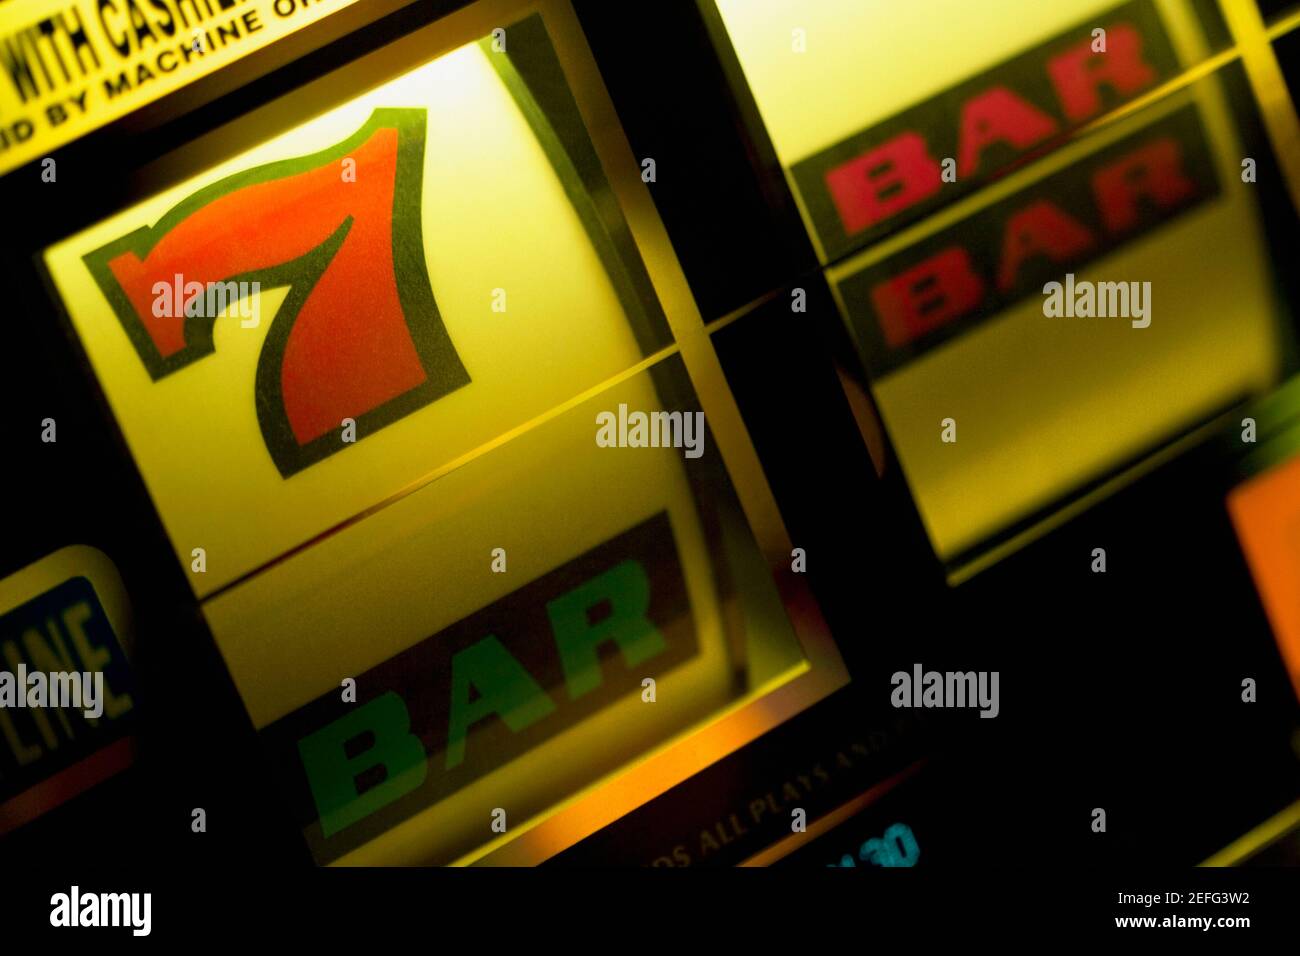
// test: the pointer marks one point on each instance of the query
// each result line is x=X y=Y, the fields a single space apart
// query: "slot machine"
x=453 y=433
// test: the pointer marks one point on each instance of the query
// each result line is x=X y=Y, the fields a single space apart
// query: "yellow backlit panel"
x=862 y=61
x=544 y=497
x=530 y=330
x=1043 y=405
x=865 y=103
x=417 y=568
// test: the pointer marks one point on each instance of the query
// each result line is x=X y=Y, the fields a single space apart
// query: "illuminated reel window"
x=451 y=605
x=880 y=115
x=959 y=321
x=304 y=329
x=981 y=166
x=517 y=629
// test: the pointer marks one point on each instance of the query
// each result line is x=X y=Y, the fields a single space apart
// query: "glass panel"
x=293 y=335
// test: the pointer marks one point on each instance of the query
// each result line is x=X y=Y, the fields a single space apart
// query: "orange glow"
x=1266 y=513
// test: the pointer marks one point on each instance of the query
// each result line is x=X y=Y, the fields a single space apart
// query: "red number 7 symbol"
x=358 y=336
